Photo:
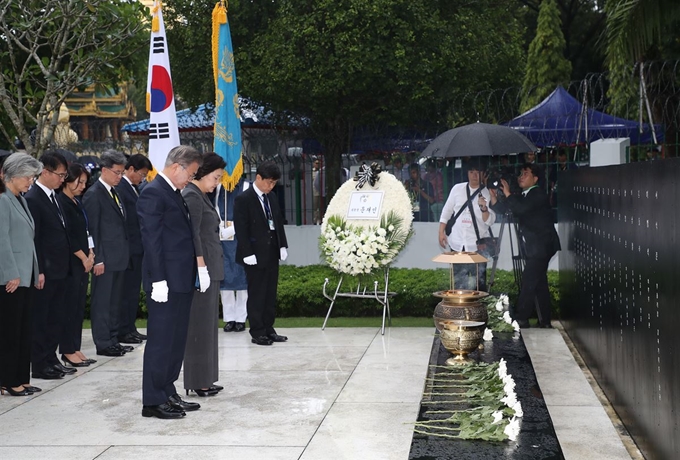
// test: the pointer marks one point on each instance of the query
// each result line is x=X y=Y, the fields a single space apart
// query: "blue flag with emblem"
x=227 y=129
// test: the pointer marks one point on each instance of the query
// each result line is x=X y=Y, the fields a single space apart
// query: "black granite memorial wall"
x=619 y=291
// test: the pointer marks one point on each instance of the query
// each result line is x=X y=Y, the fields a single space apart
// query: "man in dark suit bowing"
x=106 y=222
x=52 y=249
x=261 y=243
x=534 y=216
x=136 y=169
x=168 y=276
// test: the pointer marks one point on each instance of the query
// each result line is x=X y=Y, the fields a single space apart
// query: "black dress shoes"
x=129 y=338
x=229 y=326
x=216 y=387
x=262 y=340
x=240 y=327
x=277 y=338
x=49 y=373
x=178 y=403
x=111 y=351
x=64 y=370
x=164 y=410
x=74 y=364
x=124 y=348
x=139 y=335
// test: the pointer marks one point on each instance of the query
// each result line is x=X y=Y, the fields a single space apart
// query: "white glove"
x=284 y=253
x=159 y=291
x=250 y=260
x=227 y=233
x=203 y=278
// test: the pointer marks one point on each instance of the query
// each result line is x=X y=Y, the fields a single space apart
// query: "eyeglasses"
x=143 y=176
x=191 y=176
x=117 y=173
x=62 y=176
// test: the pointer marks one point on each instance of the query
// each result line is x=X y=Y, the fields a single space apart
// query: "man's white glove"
x=250 y=260
x=159 y=291
x=284 y=253
x=227 y=233
x=203 y=278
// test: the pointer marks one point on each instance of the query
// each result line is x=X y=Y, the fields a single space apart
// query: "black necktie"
x=184 y=203
x=267 y=209
x=54 y=202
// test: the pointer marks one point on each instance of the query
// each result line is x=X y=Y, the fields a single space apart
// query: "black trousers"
x=15 y=336
x=534 y=289
x=74 y=311
x=48 y=309
x=107 y=291
x=167 y=328
x=262 y=287
x=130 y=300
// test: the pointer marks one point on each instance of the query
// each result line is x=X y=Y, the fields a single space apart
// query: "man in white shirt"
x=463 y=236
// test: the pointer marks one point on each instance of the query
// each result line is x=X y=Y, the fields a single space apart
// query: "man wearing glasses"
x=107 y=223
x=52 y=249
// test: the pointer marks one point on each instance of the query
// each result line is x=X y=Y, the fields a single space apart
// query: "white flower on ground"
x=506 y=317
x=497 y=417
x=488 y=335
x=509 y=386
x=510 y=399
x=502 y=368
x=504 y=298
x=515 y=325
x=518 y=409
x=512 y=429
x=499 y=305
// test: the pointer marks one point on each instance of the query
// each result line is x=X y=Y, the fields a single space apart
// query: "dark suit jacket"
x=205 y=223
x=51 y=239
x=77 y=230
x=167 y=238
x=535 y=219
x=252 y=228
x=129 y=197
x=107 y=228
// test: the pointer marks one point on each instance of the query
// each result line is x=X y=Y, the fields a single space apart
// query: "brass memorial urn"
x=460 y=317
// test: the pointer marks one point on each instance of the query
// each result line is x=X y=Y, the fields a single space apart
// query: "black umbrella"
x=70 y=156
x=4 y=153
x=478 y=139
x=89 y=161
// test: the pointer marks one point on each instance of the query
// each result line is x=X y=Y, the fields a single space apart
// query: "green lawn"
x=407 y=321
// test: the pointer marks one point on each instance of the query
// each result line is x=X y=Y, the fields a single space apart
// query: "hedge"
x=300 y=292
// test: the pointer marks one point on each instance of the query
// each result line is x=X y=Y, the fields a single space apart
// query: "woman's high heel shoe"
x=31 y=389
x=12 y=392
x=203 y=393
x=80 y=364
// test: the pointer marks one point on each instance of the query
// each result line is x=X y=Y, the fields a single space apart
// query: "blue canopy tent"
x=561 y=119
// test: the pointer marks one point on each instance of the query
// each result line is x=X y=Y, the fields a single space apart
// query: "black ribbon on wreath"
x=367 y=174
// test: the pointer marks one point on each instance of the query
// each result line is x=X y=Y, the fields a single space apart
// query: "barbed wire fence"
x=658 y=101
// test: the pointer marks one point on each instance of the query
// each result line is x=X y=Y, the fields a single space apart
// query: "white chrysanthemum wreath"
x=357 y=246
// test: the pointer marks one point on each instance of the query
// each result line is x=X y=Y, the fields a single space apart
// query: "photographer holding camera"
x=537 y=231
x=464 y=226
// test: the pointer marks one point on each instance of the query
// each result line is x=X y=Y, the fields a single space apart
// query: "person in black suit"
x=169 y=274
x=106 y=220
x=82 y=260
x=136 y=169
x=534 y=216
x=52 y=248
x=261 y=243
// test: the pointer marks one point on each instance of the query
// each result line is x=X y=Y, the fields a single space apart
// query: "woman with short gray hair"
x=18 y=273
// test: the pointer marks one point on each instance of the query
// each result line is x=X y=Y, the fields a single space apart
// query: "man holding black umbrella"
x=532 y=211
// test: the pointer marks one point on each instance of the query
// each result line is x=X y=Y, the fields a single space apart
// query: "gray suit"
x=17 y=251
x=109 y=232
x=201 y=368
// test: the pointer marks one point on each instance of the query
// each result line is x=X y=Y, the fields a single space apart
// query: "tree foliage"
x=343 y=64
x=50 y=48
x=546 y=65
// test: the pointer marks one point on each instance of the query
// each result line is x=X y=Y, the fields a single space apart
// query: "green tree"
x=343 y=64
x=546 y=65
x=49 y=48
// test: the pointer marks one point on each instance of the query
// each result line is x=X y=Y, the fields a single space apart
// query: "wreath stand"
x=362 y=292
